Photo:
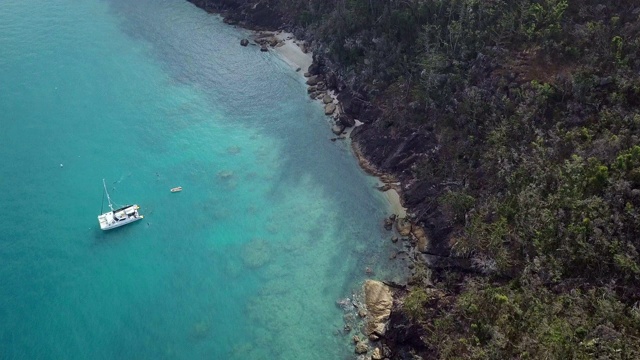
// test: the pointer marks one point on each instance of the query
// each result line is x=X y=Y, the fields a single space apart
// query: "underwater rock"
x=225 y=174
x=201 y=329
x=256 y=253
x=345 y=304
x=388 y=224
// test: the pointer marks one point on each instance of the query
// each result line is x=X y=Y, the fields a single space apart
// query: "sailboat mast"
x=108 y=197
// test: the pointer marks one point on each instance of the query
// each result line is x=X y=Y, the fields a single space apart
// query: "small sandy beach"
x=395 y=205
x=292 y=54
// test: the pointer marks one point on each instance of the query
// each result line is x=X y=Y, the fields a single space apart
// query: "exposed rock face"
x=376 y=354
x=403 y=226
x=351 y=102
x=379 y=301
x=362 y=348
x=421 y=237
x=403 y=336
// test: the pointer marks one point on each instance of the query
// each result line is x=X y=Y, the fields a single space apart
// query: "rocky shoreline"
x=388 y=157
x=481 y=128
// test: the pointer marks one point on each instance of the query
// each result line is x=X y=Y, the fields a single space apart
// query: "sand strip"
x=292 y=54
x=395 y=205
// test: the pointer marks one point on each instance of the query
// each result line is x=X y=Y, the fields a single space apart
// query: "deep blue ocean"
x=275 y=222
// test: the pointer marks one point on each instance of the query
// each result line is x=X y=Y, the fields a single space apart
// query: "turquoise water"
x=275 y=222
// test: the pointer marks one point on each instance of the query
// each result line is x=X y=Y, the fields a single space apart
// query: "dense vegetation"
x=535 y=110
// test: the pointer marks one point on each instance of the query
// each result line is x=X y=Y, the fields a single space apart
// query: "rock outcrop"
x=376 y=354
x=362 y=347
x=329 y=109
x=379 y=300
x=403 y=226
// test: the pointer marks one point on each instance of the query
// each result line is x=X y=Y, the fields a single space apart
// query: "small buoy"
x=61 y=165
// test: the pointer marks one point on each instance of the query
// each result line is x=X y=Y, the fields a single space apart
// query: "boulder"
x=314 y=68
x=256 y=254
x=311 y=89
x=329 y=109
x=337 y=129
x=313 y=80
x=376 y=354
x=403 y=226
x=421 y=238
x=327 y=99
x=379 y=301
x=388 y=224
x=346 y=120
x=362 y=348
x=264 y=48
x=244 y=42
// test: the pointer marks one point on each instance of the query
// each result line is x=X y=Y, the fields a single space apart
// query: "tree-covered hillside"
x=524 y=156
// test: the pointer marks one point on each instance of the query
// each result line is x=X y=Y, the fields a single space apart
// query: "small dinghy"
x=176 y=189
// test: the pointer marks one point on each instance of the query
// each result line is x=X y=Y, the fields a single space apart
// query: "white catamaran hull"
x=116 y=218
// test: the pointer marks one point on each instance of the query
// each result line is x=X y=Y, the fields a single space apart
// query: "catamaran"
x=116 y=218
